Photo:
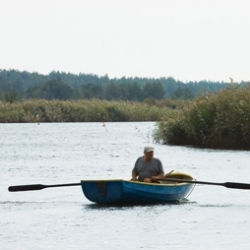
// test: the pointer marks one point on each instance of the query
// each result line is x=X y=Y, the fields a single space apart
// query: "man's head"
x=149 y=153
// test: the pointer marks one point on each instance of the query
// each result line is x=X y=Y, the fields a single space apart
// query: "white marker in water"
x=104 y=125
x=38 y=119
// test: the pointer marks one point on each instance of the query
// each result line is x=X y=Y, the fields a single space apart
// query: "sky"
x=189 y=40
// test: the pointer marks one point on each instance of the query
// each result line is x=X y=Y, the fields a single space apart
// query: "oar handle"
x=34 y=187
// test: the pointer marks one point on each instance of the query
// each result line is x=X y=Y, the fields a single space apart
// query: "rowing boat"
x=175 y=186
x=119 y=191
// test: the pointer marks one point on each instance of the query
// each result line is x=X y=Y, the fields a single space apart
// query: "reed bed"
x=220 y=120
x=80 y=111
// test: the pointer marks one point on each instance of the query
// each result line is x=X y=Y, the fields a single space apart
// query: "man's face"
x=149 y=155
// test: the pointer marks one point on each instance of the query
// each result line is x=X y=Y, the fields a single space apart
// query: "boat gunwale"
x=170 y=184
x=141 y=183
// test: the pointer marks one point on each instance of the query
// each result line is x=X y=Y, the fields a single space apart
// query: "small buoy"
x=104 y=125
x=38 y=119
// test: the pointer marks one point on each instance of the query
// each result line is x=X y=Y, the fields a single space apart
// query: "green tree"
x=183 y=93
x=112 y=92
x=53 y=89
x=92 y=90
x=154 y=90
x=10 y=96
x=135 y=92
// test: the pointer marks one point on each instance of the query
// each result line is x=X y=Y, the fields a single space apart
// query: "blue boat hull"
x=130 y=192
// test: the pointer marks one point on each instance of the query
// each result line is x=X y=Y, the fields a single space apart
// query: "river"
x=214 y=217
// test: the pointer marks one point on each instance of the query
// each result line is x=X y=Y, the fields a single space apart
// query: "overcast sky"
x=190 y=40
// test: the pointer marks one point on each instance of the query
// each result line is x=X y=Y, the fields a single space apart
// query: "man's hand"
x=134 y=179
x=154 y=178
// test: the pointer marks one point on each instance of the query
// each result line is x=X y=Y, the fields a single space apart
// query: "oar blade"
x=32 y=187
x=237 y=185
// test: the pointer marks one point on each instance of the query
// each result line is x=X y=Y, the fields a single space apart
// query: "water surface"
x=213 y=217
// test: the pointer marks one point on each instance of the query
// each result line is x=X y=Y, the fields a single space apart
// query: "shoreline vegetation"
x=29 y=111
x=219 y=121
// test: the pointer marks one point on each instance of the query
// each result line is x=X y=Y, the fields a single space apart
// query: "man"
x=147 y=168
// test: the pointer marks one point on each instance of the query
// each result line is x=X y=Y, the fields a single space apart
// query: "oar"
x=38 y=187
x=226 y=184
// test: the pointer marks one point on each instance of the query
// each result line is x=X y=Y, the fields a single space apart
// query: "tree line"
x=16 y=85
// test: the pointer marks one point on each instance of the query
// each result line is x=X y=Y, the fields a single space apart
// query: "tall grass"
x=219 y=120
x=80 y=111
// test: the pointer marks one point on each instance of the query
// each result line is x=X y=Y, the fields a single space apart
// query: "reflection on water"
x=212 y=217
x=134 y=206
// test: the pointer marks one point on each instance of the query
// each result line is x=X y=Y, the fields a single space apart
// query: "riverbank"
x=28 y=111
x=220 y=120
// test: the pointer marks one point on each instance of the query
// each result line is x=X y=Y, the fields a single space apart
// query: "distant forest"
x=16 y=85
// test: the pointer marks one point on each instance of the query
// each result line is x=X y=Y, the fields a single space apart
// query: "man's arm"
x=134 y=176
x=159 y=176
x=161 y=172
x=135 y=172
